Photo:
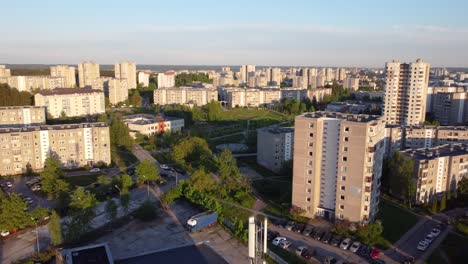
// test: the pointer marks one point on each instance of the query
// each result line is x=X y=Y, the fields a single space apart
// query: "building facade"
x=88 y=72
x=275 y=147
x=431 y=136
x=74 y=145
x=143 y=78
x=4 y=72
x=450 y=108
x=65 y=71
x=246 y=71
x=166 y=79
x=406 y=92
x=147 y=124
x=351 y=83
x=338 y=165
x=185 y=95
x=126 y=70
x=12 y=116
x=71 y=101
x=116 y=90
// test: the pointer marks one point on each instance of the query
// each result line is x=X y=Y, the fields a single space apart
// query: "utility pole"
x=37 y=235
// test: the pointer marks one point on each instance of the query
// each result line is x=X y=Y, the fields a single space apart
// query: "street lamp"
x=120 y=191
x=37 y=235
x=147 y=186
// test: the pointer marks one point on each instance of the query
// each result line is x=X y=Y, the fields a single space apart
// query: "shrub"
x=146 y=212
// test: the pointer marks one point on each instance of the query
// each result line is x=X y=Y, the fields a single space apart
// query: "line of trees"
x=12 y=97
x=185 y=78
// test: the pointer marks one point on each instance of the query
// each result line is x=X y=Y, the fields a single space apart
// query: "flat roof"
x=51 y=127
x=194 y=254
x=458 y=128
x=91 y=254
x=277 y=129
x=64 y=91
x=438 y=151
x=350 y=117
x=20 y=107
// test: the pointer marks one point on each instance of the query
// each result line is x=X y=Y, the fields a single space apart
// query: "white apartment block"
x=275 y=147
x=406 y=92
x=166 y=79
x=19 y=116
x=66 y=72
x=126 y=70
x=88 y=72
x=351 y=83
x=185 y=95
x=116 y=90
x=74 y=145
x=338 y=165
x=143 y=78
x=273 y=76
x=147 y=124
x=4 y=72
x=246 y=71
x=71 y=101
x=29 y=83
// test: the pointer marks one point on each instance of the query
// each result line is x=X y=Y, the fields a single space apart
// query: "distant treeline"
x=30 y=72
x=184 y=78
x=12 y=97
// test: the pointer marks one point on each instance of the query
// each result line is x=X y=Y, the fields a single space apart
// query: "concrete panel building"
x=143 y=78
x=438 y=169
x=450 y=108
x=147 y=124
x=275 y=147
x=116 y=90
x=273 y=76
x=406 y=92
x=394 y=139
x=65 y=71
x=431 y=136
x=88 y=72
x=337 y=165
x=185 y=95
x=166 y=79
x=351 y=83
x=246 y=71
x=126 y=70
x=74 y=145
x=71 y=101
x=19 y=116
x=4 y=72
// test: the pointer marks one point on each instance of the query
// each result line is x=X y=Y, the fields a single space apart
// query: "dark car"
x=409 y=260
x=272 y=235
x=298 y=227
x=308 y=253
x=365 y=250
x=326 y=238
x=335 y=241
x=318 y=235
x=279 y=223
x=308 y=230
x=378 y=261
x=179 y=170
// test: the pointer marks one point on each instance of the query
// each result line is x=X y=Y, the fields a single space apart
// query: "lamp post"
x=37 y=235
x=147 y=187
x=120 y=191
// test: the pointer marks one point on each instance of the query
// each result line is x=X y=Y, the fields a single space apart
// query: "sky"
x=207 y=32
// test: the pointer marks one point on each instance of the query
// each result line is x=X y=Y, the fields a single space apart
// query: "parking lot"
x=18 y=185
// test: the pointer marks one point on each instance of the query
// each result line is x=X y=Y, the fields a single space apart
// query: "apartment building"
x=65 y=71
x=351 y=83
x=273 y=76
x=147 y=124
x=75 y=145
x=451 y=108
x=275 y=147
x=19 y=116
x=431 y=136
x=143 y=78
x=166 y=79
x=433 y=90
x=340 y=74
x=88 y=72
x=337 y=165
x=406 y=92
x=319 y=93
x=29 y=83
x=300 y=82
x=185 y=95
x=438 y=169
x=4 y=72
x=71 y=101
x=116 y=90
x=246 y=71
x=394 y=139
x=126 y=70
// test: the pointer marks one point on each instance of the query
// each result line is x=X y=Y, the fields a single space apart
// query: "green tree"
x=371 y=233
x=400 y=177
x=170 y=196
x=119 y=133
x=443 y=203
x=52 y=179
x=194 y=152
x=127 y=182
x=104 y=180
x=136 y=99
x=214 y=110
x=13 y=213
x=147 y=211
x=39 y=213
x=111 y=210
x=55 y=229
x=146 y=171
x=201 y=180
x=12 y=97
x=82 y=204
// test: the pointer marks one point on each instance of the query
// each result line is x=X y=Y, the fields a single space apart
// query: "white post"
x=265 y=235
x=252 y=237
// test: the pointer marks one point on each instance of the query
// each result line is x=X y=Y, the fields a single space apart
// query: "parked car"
x=9 y=184
x=290 y=225
x=272 y=235
x=298 y=227
x=335 y=241
x=345 y=243
x=435 y=232
x=278 y=240
x=329 y=260
x=36 y=187
x=326 y=238
x=375 y=254
x=377 y=261
x=284 y=244
x=5 y=233
x=164 y=166
x=307 y=253
x=307 y=231
x=300 y=250
x=422 y=245
x=409 y=260
x=355 y=247
x=429 y=238
x=95 y=170
x=318 y=235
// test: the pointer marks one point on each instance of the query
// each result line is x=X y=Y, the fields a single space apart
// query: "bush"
x=146 y=212
x=462 y=228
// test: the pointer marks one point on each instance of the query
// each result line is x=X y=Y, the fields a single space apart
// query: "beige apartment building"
x=88 y=72
x=29 y=83
x=116 y=90
x=19 y=116
x=75 y=145
x=143 y=78
x=275 y=147
x=319 y=93
x=166 y=79
x=126 y=70
x=406 y=92
x=338 y=165
x=185 y=95
x=273 y=76
x=431 y=136
x=66 y=72
x=71 y=101
x=4 y=72
x=351 y=83
x=147 y=124
x=450 y=108
x=438 y=169
x=245 y=72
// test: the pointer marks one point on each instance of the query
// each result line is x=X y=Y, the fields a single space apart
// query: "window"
x=366 y=198
x=308 y=199
x=311 y=144
x=343 y=187
x=345 y=149
x=343 y=178
x=344 y=169
x=311 y=125
x=310 y=163
x=311 y=153
x=346 y=139
x=341 y=207
x=346 y=129
x=341 y=216
x=311 y=135
x=365 y=208
x=309 y=181
x=309 y=172
x=342 y=197
x=309 y=190
x=345 y=158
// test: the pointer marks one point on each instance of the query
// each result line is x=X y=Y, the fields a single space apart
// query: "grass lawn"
x=452 y=250
x=395 y=221
x=84 y=180
x=244 y=113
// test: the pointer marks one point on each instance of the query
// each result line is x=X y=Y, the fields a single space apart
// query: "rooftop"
x=439 y=151
x=92 y=254
x=65 y=91
x=458 y=128
x=51 y=127
x=277 y=129
x=20 y=107
x=349 y=117
x=144 y=119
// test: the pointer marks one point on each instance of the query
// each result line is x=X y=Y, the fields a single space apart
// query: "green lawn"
x=84 y=180
x=395 y=221
x=244 y=113
x=452 y=250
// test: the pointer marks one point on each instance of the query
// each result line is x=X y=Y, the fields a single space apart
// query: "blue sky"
x=203 y=32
